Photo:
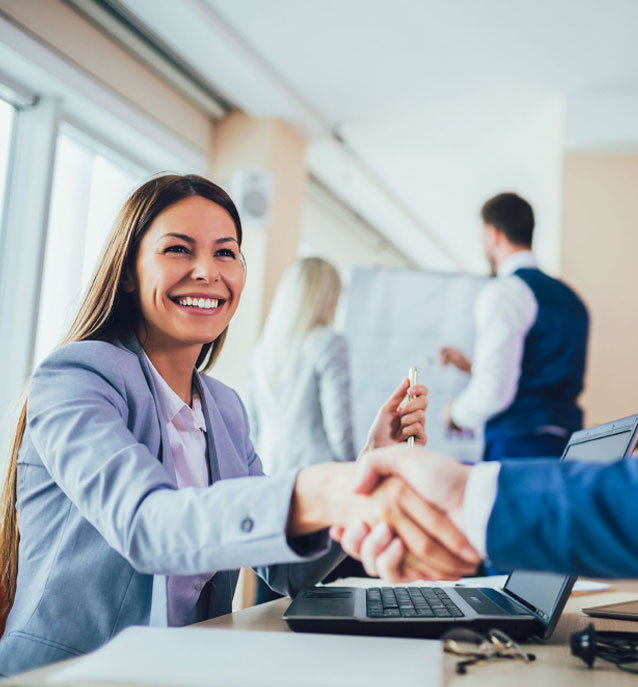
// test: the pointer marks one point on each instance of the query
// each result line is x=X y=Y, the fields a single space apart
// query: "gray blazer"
x=102 y=522
x=307 y=417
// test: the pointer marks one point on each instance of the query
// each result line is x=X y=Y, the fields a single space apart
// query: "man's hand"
x=440 y=482
x=448 y=422
x=399 y=419
x=449 y=355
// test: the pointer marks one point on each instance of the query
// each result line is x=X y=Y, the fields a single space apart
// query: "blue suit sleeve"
x=569 y=517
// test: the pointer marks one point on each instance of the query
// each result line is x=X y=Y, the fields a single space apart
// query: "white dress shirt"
x=478 y=502
x=505 y=311
x=185 y=428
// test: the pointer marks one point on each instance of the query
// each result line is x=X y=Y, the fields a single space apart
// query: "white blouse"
x=185 y=427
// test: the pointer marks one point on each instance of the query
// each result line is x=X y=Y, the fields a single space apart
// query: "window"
x=90 y=184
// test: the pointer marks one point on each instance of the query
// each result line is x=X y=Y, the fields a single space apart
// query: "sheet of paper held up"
x=194 y=657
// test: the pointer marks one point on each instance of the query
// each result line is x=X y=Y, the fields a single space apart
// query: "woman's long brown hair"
x=108 y=313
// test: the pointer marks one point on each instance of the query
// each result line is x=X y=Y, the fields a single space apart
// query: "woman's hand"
x=399 y=418
x=384 y=555
x=380 y=551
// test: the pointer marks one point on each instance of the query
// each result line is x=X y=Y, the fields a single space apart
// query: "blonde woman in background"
x=299 y=389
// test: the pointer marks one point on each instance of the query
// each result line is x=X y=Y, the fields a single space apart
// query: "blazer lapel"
x=165 y=453
x=159 y=596
x=223 y=582
x=217 y=439
x=214 y=427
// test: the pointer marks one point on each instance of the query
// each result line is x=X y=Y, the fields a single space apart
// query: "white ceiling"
x=357 y=57
x=441 y=103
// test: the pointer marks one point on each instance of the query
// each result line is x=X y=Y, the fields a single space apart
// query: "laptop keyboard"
x=410 y=602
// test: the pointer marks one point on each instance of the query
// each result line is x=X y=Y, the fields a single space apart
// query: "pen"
x=412 y=379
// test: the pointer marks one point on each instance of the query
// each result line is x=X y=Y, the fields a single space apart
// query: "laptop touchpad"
x=335 y=602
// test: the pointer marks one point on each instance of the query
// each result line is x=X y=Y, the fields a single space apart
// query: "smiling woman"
x=121 y=467
x=187 y=280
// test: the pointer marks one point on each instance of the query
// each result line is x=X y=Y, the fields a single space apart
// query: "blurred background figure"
x=298 y=394
x=531 y=346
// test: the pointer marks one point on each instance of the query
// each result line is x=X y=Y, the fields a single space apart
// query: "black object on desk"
x=619 y=648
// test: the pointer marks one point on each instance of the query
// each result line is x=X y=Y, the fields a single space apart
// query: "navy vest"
x=553 y=363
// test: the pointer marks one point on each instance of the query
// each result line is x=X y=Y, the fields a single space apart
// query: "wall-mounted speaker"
x=252 y=190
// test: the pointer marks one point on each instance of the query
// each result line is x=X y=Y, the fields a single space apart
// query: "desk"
x=554 y=664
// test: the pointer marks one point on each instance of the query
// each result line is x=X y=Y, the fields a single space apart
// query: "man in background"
x=531 y=344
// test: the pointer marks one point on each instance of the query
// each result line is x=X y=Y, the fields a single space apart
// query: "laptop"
x=529 y=604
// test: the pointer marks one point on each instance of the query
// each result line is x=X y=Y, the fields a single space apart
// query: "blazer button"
x=247 y=525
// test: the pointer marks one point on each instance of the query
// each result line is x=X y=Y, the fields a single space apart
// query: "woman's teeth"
x=206 y=303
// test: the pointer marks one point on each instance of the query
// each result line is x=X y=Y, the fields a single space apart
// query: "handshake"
x=408 y=521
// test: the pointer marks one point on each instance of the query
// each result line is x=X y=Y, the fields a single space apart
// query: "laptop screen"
x=542 y=590
x=600 y=450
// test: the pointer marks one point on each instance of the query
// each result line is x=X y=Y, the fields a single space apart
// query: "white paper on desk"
x=590 y=586
x=495 y=581
x=194 y=657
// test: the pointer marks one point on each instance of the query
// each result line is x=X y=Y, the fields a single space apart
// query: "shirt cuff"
x=478 y=501
x=463 y=414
